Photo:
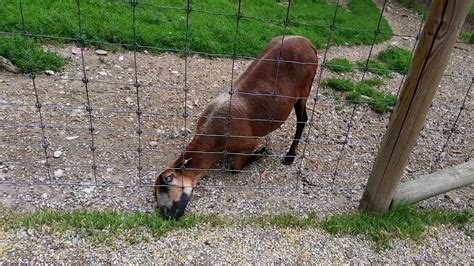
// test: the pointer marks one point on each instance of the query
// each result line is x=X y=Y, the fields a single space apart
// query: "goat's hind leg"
x=301 y=119
x=242 y=161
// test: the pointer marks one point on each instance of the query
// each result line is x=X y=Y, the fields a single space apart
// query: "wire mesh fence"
x=87 y=129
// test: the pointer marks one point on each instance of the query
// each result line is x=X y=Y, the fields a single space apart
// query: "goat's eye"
x=168 y=179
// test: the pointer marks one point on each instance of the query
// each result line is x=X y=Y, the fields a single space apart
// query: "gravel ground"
x=266 y=187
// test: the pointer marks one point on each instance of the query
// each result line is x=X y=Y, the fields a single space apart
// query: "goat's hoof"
x=288 y=160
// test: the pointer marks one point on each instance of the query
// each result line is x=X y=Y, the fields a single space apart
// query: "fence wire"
x=140 y=132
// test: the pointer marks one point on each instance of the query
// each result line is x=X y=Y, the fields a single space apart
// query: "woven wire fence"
x=142 y=167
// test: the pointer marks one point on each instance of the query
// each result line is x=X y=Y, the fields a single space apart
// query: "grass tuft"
x=400 y=222
x=339 y=84
x=339 y=65
x=363 y=91
x=286 y=220
x=373 y=82
x=396 y=59
x=28 y=56
x=375 y=67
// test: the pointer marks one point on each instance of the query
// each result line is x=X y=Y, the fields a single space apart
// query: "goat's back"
x=266 y=91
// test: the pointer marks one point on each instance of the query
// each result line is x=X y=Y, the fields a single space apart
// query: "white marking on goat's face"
x=172 y=193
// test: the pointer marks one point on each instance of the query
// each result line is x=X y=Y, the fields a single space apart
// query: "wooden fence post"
x=437 y=41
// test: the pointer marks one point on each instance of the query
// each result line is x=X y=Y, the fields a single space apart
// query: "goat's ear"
x=182 y=164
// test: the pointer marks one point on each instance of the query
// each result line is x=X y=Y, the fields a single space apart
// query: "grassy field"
x=163 y=23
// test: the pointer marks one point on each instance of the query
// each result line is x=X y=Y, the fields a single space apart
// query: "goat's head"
x=173 y=189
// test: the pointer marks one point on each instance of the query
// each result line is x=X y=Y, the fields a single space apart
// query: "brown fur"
x=294 y=80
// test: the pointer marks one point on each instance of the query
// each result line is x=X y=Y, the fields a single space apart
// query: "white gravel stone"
x=58 y=173
x=57 y=154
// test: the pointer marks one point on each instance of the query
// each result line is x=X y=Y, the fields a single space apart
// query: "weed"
x=401 y=221
x=396 y=58
x=339 y=65
x=28 y=55
x=339 y=84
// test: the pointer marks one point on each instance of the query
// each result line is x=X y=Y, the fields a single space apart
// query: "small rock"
x=44 y=195
x=145 y=51
x=129 y=100
x=190 y=258
x=75 y=51
x=185 y=131
x=101 y=52
x=120 y=58
x=153 y=143
x=57 y=154
x=88 y=190
x=49 y=72
x=72 y=137
x=175 y=72
x=102 y=73
x=394 y=43
x=8 y=65
x=406 y=38
x=58 y=173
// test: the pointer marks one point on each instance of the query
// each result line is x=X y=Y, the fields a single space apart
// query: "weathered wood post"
x=437 y=41
x=430 y=185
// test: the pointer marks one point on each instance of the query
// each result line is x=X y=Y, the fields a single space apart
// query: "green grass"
x=339 y=84
x=373 y=82
x=391 y=59
x=105 y=226
x=396 y=59
x=355 y=92
x=465 y=36
x=28 y=56
x=339 y=65
x=111 y=21
x=400 y=222
x=378 y=101
x=414 y=5
x=375 y=67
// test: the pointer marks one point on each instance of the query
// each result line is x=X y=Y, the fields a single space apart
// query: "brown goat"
x=262 y=99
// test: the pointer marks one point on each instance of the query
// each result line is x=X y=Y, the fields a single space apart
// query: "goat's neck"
x=198 y=159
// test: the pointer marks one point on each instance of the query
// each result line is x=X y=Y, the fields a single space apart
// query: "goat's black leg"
x=301 y=119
